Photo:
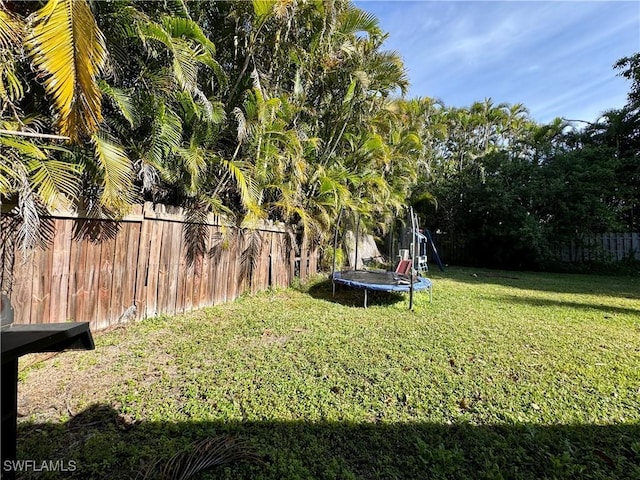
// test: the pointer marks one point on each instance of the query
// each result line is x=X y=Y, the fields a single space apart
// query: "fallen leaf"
x=608 y=460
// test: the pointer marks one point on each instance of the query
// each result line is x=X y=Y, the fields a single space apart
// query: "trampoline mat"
x=385 y=281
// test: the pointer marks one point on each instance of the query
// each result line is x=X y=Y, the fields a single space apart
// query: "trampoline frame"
x=403 y=284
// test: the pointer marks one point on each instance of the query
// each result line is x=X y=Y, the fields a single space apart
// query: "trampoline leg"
x=365 y=298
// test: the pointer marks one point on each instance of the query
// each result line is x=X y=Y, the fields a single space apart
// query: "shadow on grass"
x=105 y=444
x=545 y=302
x=618 y=286
x=353 y=297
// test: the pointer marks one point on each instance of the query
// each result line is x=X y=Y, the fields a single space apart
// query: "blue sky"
x=555 y=57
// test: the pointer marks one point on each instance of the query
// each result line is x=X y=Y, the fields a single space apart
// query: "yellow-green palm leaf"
x=115 y=169
x=69 y=49
x=11 y=29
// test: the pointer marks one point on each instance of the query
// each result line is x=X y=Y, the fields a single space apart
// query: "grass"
x=504 y=375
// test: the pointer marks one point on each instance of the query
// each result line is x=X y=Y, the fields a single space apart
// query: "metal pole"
x=335 y=249
x=355 y=267
x=390 y=258
x=412 y=254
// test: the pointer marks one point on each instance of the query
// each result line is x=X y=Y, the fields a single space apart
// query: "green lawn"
x=504 y=375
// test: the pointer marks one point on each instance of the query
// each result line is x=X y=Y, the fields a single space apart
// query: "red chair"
x=404 y=267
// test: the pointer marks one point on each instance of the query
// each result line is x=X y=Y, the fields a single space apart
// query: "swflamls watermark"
x=39 y=465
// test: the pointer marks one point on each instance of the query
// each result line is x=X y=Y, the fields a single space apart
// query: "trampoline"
x=380 y=281
x=403 y=280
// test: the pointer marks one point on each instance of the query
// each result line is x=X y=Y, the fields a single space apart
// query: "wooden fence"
x=152 y=262
x=603 y=247
x=600 y=247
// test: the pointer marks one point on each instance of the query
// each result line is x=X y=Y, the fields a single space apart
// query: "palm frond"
x=195 y=231
x=35 y=230
x=166 y=134
x=116 y=173
x=363 y=78
x=193 y=161
x=218 y=208
x=148 y=30
x=67 y=46
x=244 y=183
x=354 y=20
x=23 y=147
x=218 y=114
x=262 y=8
x=178 y=7
x=55 y=181
x=11 y=89
x=211 y=452
x=189 y=47
x=26 y=168
x=122 y=101
x=350 y=92
x=179 y=27
x=218 y=71
x=11 y=31
x=250 y=255
x=185 y=64
x=7 y=177
x=242 y=124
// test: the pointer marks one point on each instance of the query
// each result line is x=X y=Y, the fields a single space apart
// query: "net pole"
x=412 y=254
x=390 y=261
x=335 y=250
x=355 y=266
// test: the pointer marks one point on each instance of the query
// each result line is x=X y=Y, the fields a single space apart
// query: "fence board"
x=205 y=272
x=41 y=287
x=153 y=277
x=273 y=260
x=142 y=268
x=222 y=267
x=313 y=260
x=197 y=276
x=76 y=265
x=105 y=281
x=59 y=269
x=21 y=288
x=119 y=267
x=7 y=254
x=89 y=282
x=185 y=282
x=220 y=279
x=175 y=268
x=260 y=264
x=130 y=265
x=163 y=266
x=237 y=280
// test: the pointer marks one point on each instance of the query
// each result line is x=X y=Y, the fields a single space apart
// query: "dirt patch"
x=55 y=388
